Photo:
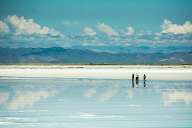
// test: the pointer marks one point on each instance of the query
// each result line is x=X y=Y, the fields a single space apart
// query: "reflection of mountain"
x=57 y=55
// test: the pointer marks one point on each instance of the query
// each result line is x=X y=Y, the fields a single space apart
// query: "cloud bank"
x=37 y=35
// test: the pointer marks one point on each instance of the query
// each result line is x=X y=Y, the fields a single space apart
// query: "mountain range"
x=59 y=55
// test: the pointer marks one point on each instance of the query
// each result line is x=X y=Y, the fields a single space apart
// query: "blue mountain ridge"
x=58 y=55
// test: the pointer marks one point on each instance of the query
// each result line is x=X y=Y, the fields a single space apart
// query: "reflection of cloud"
x=134 y=105
x=98 y=116
x=83 y=115
x=28 y=98
x=177 y=96
x=4 y=96
x=130 y=93
x=108 y=94
x=90 y=92
x=87 y=115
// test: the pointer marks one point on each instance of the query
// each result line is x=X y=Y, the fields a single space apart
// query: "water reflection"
x=26 y=98
x=174 y=96
x=77 y=103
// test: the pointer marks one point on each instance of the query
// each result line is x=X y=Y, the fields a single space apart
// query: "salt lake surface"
x=94 y=103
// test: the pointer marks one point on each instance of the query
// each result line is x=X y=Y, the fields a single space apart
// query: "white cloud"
x=24 y=26
x=169 y=27
x=25 y=99
x=130 y=30
x=89 y=31
x=3 y=97
x=177 y=96
x=4 y=27
x=107 y=29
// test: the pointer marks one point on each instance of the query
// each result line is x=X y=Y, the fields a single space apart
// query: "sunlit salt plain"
x=94 y=103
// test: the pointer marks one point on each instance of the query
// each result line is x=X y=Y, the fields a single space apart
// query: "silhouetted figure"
x=133 y=84
x=144 y=80
x=137 y=80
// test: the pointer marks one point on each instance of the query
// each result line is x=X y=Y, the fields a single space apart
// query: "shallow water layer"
x=91 y=103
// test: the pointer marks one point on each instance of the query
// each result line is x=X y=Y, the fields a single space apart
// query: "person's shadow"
x=144 y=80
x=133 y=84
x=144 y=83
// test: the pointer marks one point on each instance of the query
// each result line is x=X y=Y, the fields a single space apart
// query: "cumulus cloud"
x=3 y=97
x=3 y=27
x=25 y=99
x=130 y=30
x=24 y=26
x=177 y=96
x=169 y=27
x=108 y=30
x=89 y=31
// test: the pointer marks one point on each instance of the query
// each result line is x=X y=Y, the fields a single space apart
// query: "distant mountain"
x=58 y=55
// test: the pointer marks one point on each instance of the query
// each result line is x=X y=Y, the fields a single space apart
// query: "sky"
x=95 y=23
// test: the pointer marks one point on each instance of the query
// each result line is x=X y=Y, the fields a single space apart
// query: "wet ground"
x=91 y=103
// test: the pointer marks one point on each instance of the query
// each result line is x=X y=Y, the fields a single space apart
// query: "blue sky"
x=95 y=22
x=148 y=14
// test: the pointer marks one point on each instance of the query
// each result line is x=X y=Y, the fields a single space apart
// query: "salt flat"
x=179 y=72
